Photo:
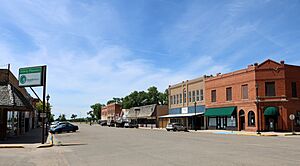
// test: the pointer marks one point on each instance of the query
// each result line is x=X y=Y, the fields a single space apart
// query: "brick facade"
x=255 y=77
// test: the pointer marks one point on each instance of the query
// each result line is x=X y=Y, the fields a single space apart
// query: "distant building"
x=148 y=115
x=104 y=113
x=258 y=98
x=113 y=111
x=186 y=104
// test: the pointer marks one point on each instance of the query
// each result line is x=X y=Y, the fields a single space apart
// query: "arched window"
x=251 y=118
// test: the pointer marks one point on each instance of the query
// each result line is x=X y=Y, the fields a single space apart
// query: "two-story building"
x=104 y=113
x=186 y=104
x=258 y=98
x=113 y=111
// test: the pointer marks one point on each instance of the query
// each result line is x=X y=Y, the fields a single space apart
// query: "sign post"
x=292 y=118
x=32 y=77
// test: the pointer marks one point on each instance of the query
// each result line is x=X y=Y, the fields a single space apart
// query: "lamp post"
x=257 y=108
x=136 y=122
x=195 y=116
x=48 y=113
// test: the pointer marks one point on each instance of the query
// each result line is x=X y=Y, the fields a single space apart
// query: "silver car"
x=176 y=127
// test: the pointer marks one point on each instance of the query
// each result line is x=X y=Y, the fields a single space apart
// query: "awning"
x=223 y=111
x=271 y=111
x=180 y=115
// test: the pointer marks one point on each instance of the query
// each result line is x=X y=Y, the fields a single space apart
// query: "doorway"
x=242 y=120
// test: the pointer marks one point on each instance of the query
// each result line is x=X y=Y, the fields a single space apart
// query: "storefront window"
x=231 y=123
x=251 y=118
x=212 y=122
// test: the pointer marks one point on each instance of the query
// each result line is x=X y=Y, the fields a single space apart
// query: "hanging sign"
x=31 y=76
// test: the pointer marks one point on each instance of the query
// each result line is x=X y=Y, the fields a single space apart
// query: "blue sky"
x=96 y=50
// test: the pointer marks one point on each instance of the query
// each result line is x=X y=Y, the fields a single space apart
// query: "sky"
x=97 y=50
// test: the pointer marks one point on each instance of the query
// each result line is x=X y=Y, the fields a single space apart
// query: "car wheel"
x=175 y=129
x=74 y=131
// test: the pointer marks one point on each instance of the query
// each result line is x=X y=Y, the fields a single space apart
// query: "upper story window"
x=270 y=88
x=177 y=99
x=229 y=94
x=180 y=98
x=174 y=99
x=294 y=89
x=190 y=96
x=184 y=97
x=245 y=91
x=198 y=95
x=171 y=99
x=201 y=95
x=193 y=95
x=213 y=96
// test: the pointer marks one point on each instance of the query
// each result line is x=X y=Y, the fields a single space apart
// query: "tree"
x=61 y=117
x=51 y=119
x=39 y=107
x=73 y=116
x=163 y=97
x=97 y=110
x=153 y=95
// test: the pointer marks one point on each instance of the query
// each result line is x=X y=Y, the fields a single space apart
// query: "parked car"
x=103 y=123
x=111 y=123
x=176 y=127
x=130 y=125
x=57 y=123
x=66 y=127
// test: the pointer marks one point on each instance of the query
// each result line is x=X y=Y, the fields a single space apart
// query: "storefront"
x=221 y=118
x=271 y=118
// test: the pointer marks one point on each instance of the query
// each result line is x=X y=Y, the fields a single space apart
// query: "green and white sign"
x=31 y=76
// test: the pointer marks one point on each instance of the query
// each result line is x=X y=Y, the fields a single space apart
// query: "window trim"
x=227 y=96
x=213 y=97
x=266 y=89
x=242 y=91
x=250 y=124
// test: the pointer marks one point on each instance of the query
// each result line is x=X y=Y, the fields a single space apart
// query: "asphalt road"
x=96 y=145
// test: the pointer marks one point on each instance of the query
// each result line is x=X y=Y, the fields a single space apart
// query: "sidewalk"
x=31 y=138
x=228 y=132
x=247 y=133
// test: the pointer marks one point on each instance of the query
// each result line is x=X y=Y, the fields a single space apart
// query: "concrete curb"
x=11 y=146
x=44 y=146
x=47 y=145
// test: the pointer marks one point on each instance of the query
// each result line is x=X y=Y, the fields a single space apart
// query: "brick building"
x=104 y=113
x=186 y=101
x=260 y=97
x=113 y=111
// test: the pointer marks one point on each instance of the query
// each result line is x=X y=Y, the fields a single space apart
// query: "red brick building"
x=260 y=97
x=104 y=113
x=113 y=111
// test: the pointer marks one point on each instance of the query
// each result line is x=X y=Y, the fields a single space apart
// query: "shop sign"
x=31 y=76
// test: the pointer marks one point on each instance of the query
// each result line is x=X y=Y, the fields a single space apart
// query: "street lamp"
x=257 y=108
x=136 y=110
x=48 y=113
x=195 y=105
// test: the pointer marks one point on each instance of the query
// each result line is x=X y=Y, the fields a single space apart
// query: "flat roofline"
x=188 y=81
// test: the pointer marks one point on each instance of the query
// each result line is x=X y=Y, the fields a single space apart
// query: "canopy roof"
x=271 y=111
x=222 y=111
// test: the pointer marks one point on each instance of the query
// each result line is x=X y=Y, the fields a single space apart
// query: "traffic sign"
x=292 y=117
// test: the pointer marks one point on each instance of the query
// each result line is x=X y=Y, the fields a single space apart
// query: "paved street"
x=96 y=145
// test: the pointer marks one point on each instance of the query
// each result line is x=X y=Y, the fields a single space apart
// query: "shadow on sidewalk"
x=33 y=136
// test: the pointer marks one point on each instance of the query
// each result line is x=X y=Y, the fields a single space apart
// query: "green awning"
x=271 y=111
x=223 y=111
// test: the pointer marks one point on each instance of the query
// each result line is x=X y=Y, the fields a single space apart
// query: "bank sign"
x=31 y=76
